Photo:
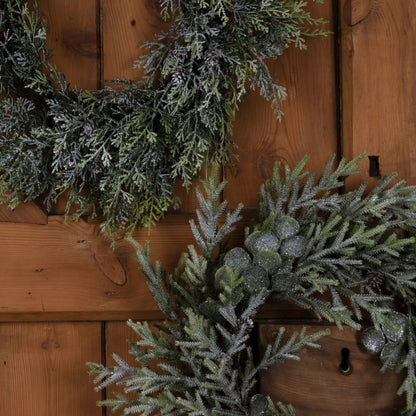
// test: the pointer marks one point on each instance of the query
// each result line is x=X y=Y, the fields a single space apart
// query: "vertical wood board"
x=309 y=125
x=72 y=33
x=125 y=26
x=43 y=371
x=379 y=86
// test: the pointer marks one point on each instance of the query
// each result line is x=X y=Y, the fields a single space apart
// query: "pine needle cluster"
x=199 y=361
x=118 y=152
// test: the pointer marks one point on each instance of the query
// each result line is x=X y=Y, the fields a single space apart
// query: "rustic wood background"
x=65 y=294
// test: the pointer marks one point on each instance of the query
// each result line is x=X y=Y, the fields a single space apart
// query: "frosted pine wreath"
x=347 y=257
x=119 y=152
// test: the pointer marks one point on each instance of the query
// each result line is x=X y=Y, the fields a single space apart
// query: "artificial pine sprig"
x=201 y=356
x=118 y=152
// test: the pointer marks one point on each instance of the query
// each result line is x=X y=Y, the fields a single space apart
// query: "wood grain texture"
x=308 y=126
x=72 y=33
x=314 y=385
x=125 y=25
x=43 y=371
x=378 y=85
x=28 y=212
x=68 y=270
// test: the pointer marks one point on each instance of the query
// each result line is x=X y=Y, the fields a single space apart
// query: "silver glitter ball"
x=267 y=259
x=262 y=240
x=373 y=340
x=285 y=227
x=255 y=279
x=258 y=405
x=392 y=354
x=293 y=247
x=237 y=259
x=400 y=322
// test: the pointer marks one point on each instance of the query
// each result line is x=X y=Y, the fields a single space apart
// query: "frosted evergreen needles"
x=312 y=246
x=119 y=151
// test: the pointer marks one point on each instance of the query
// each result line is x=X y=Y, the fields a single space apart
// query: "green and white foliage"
x=348 y=257
x=119 y=152
x=199 y=361
x=345 y=256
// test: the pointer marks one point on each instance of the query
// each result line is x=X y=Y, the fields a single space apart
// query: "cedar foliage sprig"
x=119 y=152
x=199 y=361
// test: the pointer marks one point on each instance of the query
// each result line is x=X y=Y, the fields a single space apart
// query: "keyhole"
x=345 y=367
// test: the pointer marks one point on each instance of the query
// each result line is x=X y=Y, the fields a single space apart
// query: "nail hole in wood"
x=374 y=169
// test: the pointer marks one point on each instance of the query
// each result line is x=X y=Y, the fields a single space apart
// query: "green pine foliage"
x=347 y=257
x=199 y=361
x=119 y=152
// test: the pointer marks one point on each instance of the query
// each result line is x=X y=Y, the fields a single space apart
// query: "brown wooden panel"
x=126 y=24
x=308 y=126
x=72 y=33
x=378 y=85
x=28 y=212
x=42 y=368
x=314 y=385
x=68 y=271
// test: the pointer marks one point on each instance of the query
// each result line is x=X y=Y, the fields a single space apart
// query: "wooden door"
x=65 y=294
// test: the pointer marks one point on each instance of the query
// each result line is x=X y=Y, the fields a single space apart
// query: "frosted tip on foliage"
x=262 y=240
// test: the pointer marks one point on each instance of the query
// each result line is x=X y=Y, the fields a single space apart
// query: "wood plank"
x=309 y=125
x=314 y=385
x=72 y=33
x=69 y=270
x=125 y=25
x=43 y=370
x=116 y=335
x=378 y=86
x=28 y=212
